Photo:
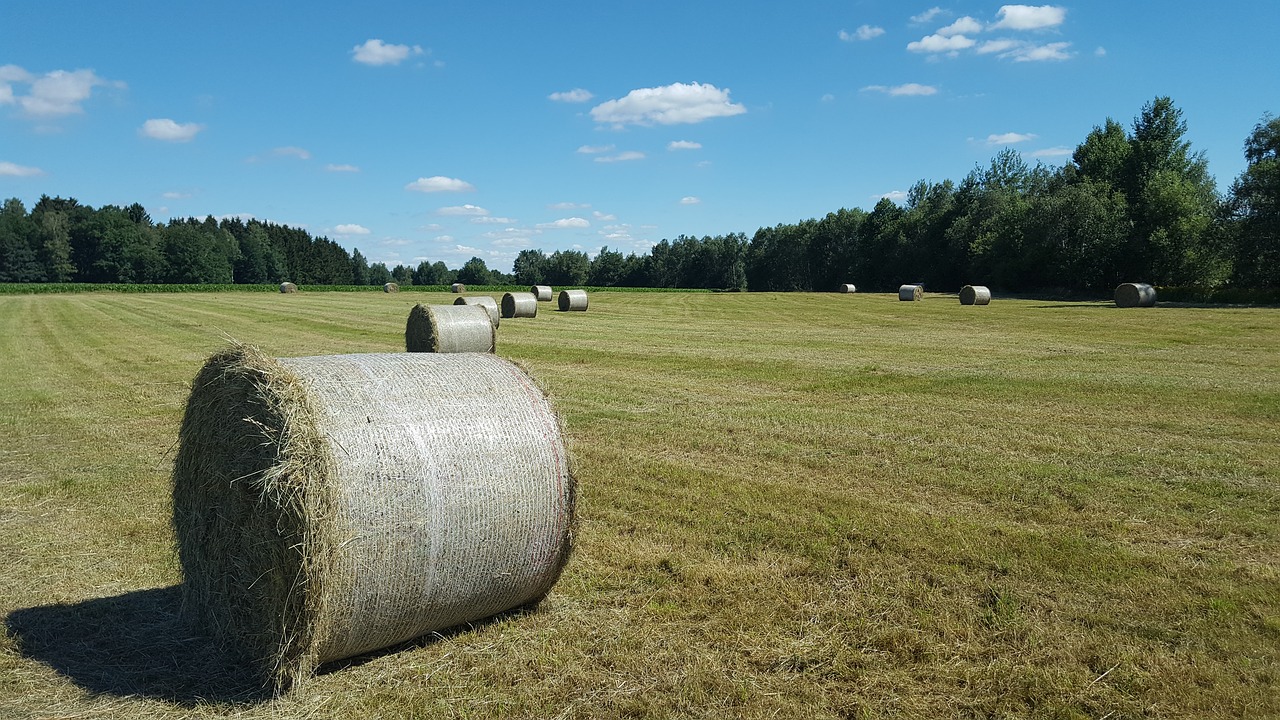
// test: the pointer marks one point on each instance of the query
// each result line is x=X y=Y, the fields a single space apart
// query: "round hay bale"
x=519 y=305
x=449 y=329
x=325 y=507
x=911 y=292
x=485 y=302
x=543 y=292
x=573 y=300
x=975 y=295
x=847 y=288
x=1135 y=295
x=458 y=288
x=288 y=287
x=390 y=287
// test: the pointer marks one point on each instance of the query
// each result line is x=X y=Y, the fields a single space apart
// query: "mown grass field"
x=800 y=505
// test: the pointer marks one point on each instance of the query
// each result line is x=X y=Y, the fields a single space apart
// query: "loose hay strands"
x=390 y=287
x=329 y=506
x=573 y=300
x=288 y=287
x=449 y=329
x=975 y=295
x=519 y=305
x=458 y=288
x=543 y=292
x=1135 y=295
x=911 y=292
x=485 y=302
x=847 y=288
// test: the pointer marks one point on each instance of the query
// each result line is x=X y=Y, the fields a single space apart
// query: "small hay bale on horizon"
x=575 y=300
x=288 y=287
x=975 y=295
x=449 y=329
x=846 y=288
x=327 y=507
x=911 y=292
x=1135 y=295
x=544 y=293
x=457 y=288
x=390 y=287
x=519 y=305
x=485 y=302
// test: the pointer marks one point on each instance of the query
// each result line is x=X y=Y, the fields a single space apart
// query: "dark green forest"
x=1133 y=204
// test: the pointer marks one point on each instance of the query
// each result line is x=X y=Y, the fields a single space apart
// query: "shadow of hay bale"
x=132 y=644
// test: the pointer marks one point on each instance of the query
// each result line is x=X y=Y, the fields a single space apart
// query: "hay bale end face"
x=847 y=288
x=484 y=301
x=458 y=288
x=544 y=293
x=975 y=295
x=519 y=305
x=288 y=287
x=325 y=507
x=1135 y=295
x=390 y=287
x=911 y=292
x=573 y=300
x=449 y=329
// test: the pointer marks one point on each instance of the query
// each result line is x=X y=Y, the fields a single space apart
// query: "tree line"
x=1133 y=204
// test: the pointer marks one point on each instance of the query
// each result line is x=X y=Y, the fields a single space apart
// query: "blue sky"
x=446 y=130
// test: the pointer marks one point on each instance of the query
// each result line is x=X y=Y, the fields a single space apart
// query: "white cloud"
x=576 y=95
x=351 y=229
x=864 y=32
x=1029 y=17
x=8 y=169
x=684 y=145
x=940 y=43
x=564 y=223
x=292 y=152
x=604 y=217
x=174 y=195
x=964 y=26
x=909 y=89
x=53 y=94
x=690 y=200
x=439 y=183
x=927 y=15
x=896 y=196
x=341 y=168
x=1100 y=51
x=1039 y=53
x=621 y=157
x=169 y=131
x=1009 y=138
x=568 y=206
x=1052 y=152
x=467 y=210
x=828 y=97
x=594 y=149
x=376 y=52
x=491 y=220
x=999 y=46
x=673 y=104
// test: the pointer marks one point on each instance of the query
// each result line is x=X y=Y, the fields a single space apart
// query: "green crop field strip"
x=792 y=505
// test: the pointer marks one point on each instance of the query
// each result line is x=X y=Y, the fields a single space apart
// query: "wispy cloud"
x=927 y=15
x=467 y=210
x=940 y=44
x=54 y=94
x=291 y=151
x=909 y=89
x=1029 y=17
x=896 y=196
x=376 y=52
x=439 y=183
x=594 y=149
x=864 y=32
x=565 y=223
x=568 y=206
x=684 y=145
x=690 y=200
x=341 y=168
x=351 y=229
x=576 y=95
x=1009 y=138
x=624 y=156
x=1053 y=152
x=169 y=131
x=8 y=169
x=674 y=104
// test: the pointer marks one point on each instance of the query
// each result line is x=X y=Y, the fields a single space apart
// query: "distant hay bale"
x=458 y=288
x=573 y=300
x=449 y=329
x=326 y=507
x=484 y=301
x=1135 y=295
x=847 y=288
x=390 y=287
x=975 y=295
x=519 y=305
x=911 y=292
x=288 y=287
x=543 y=292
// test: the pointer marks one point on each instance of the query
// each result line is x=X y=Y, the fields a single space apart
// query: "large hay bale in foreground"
x=1135 y=295
x=485 y=302
x=326 y=507
x=573 y=300
x=449 y=329
x=847 y=288
x=542 y=292
x=519 y=305
x=458 y=288
x=390 y=287
x=911 y=292
x=288 y=287
x=975 y=295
